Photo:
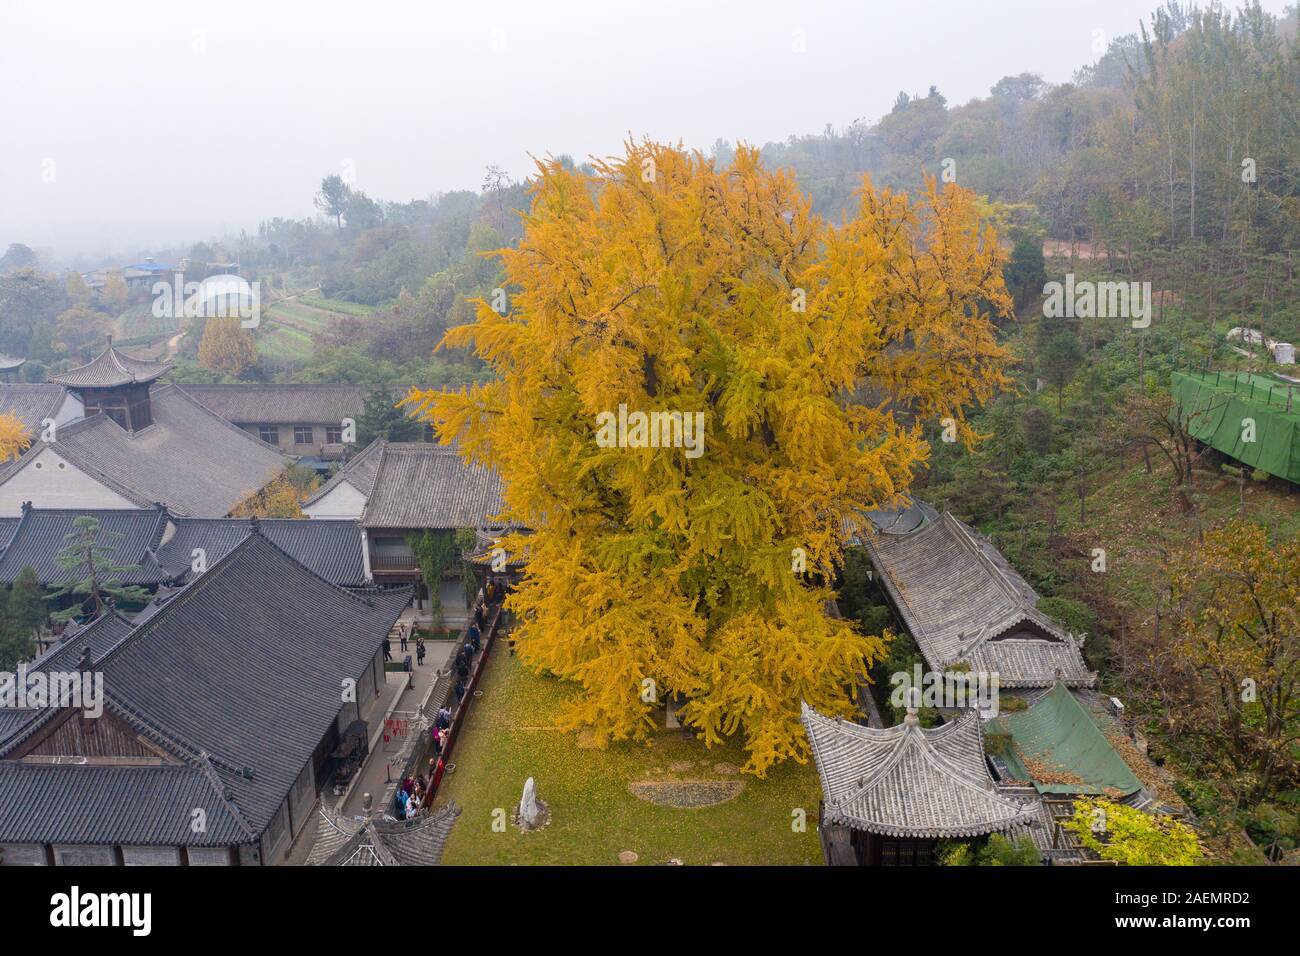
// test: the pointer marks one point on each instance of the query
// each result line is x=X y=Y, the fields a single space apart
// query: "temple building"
x=36 y=405
x=963 y=603
x=396 y=489
x=10 y=367
x=371 y=840
x=186 y=457
x=163 y=548
x=116 y=384
x=890 y=795
x=221 y=707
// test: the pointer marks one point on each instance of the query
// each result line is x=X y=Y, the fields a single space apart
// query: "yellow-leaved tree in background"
x=226 y=346
x=14 y=439
x=816 y=355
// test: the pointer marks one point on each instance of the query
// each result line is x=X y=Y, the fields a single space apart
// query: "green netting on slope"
x=1056 y=744
x=1216 y=406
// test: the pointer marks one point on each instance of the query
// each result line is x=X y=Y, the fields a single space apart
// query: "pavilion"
x=890 y=795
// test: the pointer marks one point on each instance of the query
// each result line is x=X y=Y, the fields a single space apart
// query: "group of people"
x=411 y=798
x=404 y=632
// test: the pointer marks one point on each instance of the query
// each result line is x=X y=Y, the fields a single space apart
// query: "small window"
x=333 y=434
x=269 y=434
x=302 y=434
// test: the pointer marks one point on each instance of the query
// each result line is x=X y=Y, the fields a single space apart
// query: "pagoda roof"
x=112 y=368
x=908 y=781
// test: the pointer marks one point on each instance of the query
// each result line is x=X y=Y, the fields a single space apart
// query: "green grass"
x=1134 y=516
x=283 y=344
x=593 y=814
x=138 y=323
x=335 y=305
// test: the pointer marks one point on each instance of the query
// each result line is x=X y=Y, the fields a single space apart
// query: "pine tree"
x=382 y=418
x=90 y=571
x=22 y=614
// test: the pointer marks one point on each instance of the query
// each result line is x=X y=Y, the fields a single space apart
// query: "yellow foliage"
x=281 y=498
x=815 y=353
x=14 y=439
x=226 y=346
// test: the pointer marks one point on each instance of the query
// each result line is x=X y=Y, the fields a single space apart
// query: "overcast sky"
x=128 y=124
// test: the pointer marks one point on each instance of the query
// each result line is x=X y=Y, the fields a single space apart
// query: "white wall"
x=71 y=409
x=343 y=501
x=48 y=481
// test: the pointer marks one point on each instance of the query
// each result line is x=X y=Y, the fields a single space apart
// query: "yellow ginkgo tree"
x=14 y=439
x=662 y=561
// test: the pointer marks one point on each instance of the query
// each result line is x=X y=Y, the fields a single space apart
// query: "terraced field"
x=291 y=327
x=138 y=323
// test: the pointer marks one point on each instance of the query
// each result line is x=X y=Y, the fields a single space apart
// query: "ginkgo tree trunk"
x=816 y=354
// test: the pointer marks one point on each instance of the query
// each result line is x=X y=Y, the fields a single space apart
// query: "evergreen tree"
x=90 y=571
x=22 y=614
x=381 y=418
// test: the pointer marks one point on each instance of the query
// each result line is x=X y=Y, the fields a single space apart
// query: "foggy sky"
x=135 y=124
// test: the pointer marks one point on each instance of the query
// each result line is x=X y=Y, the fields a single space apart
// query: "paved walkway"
x=375 y=773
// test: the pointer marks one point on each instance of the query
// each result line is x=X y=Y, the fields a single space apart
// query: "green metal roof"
x=1057 y=745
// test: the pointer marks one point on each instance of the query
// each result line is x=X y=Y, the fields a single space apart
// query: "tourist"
x=402 y=636
x=460 y=690
x=388 y=650
x=419 y=651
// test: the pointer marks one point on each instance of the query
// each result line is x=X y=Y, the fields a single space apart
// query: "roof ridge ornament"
x=913 y=704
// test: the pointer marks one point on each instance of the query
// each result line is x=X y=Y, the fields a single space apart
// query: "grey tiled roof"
x=31 y=404
x=379 y=842
x=41 y=533
x=907 y=781
x=282 y=404
x=190 y=459
x=359 y=472
x=420 y=485
x=238 y=677
x=909 y=515
x=962 y=601
x=331 y=549
x=9 y=362
x=110 y=368
x=95 y=804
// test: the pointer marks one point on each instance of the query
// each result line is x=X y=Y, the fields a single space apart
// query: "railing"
x=459 y=711
x=392 y=562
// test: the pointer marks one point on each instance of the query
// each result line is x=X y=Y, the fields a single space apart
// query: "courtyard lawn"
x=594 y=815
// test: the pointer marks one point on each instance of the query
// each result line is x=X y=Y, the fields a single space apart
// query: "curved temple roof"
x=906 y=781
x=962 y=601
x=112 y=368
